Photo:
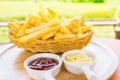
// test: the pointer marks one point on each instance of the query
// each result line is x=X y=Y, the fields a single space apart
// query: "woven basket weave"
x=53 y=46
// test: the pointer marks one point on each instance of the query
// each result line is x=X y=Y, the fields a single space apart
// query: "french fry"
x=74 y=22
x=35 y=20
x=23 y=29
x=42 y=15
x=60 y=36
x=52 y=14
x=13 y=26
x=47 y=36
x=79 y=28
x=86 y=28
x=74 y=25
x=64 y=30
x=73 y=30
x=43 y=26
x=68 y=21
x=81 y=22
x=38 y=34
x=18 y=24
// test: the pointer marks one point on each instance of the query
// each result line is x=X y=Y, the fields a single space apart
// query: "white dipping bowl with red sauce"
x=54 y=65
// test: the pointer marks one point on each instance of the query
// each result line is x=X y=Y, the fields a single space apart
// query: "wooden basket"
x=53 y=46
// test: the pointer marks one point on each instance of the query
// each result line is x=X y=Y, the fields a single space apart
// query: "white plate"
x=107 y=61
x=106 y=65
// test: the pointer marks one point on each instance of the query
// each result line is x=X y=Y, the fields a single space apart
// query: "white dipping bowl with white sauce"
x=78 y=66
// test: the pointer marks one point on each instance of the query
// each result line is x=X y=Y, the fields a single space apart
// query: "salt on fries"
x=42 y=27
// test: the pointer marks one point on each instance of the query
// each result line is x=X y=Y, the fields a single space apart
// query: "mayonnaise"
x=79 y=58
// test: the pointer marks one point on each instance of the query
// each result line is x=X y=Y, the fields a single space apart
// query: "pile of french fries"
x=43 y=27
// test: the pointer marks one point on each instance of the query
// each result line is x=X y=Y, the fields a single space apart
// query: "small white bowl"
x=43 y=74
x=81 y=68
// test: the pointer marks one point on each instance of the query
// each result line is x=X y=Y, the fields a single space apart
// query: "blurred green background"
x=87 y=9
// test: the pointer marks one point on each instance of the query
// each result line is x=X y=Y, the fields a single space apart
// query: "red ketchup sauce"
x=43 y=63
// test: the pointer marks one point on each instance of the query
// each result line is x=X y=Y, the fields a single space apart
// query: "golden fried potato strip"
x=60 y=36
x=18 y=24
x=21 y=32
x=52 y=14
x=87 y=28
x=68 y=21
x=79 y=27
x=13 y=26
x=43 y=26
x=48 y=36
x=35 y=20
x=64 y=30
x=38 y=34
x=74 y=25
x=42 y=15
